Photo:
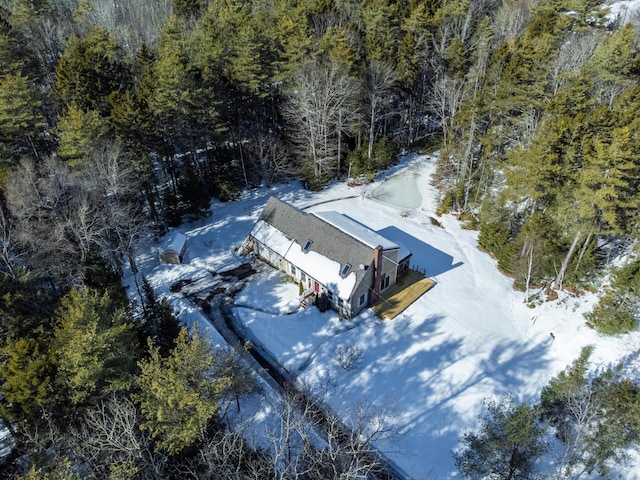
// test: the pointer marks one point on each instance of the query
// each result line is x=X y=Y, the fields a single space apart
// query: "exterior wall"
x=268 y=255
x=389 y=268
x=170 y=257
x=360 y=290
x=404 y=265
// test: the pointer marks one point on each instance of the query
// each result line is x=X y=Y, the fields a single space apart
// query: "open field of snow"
x=469 y=338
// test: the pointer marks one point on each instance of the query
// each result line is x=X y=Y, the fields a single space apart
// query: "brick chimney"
x=377 y=270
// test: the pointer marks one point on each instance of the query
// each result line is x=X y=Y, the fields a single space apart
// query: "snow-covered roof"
x=356 y=230
x=272 y=237
x=175 y=242
x=403 y=253
x=321 y=268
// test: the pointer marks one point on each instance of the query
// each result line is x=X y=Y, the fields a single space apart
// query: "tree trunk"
x=583 y=251
x=557 y=284
x=529 y=269
x=371 y=129
x=512 y=464
x=339 y=139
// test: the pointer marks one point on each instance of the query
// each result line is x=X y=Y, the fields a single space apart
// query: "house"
x=173 y=249
x=328 y=252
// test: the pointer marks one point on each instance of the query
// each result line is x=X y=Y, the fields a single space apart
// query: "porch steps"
x=308 y=300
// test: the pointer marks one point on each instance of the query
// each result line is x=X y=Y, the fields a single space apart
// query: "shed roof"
x=175 y=241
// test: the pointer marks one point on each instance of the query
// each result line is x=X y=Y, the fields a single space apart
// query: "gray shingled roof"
x=327 y=239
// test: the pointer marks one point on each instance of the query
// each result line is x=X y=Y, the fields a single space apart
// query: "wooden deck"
x=410 y=286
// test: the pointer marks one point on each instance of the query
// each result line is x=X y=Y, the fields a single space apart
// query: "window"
x=303 y=277
x=330 y=295
x=384 y=283
x=345 y=269
x=293 y=271
x=307 y=246
x=361 y=299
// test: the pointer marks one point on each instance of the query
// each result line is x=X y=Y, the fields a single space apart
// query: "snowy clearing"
x=469 y=338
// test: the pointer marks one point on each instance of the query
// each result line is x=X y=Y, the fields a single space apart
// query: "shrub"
x=494 y=238
x=347 y=356
x=615 y=313
x=612 y=316
x=445 y=204
x=323 y=302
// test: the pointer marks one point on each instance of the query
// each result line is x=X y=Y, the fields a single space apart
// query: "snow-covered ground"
x=469 y=338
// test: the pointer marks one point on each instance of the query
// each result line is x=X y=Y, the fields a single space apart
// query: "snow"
x=625 y=10
x=469 y=338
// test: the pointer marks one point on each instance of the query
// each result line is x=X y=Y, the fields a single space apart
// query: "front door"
x=316 y=286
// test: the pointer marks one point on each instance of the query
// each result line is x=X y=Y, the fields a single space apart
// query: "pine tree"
x=616 y=311
x=93 y=347
x=179 y=395
x=159 y=321
x=26 y=377
x=79 y=133
x=193 y=193
x=381 y=25
x=90 y=70
x=507 y=446
x=20 y=118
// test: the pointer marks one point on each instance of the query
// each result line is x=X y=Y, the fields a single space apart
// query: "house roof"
x=357 y=230
x=322 y=269
x=339 y=240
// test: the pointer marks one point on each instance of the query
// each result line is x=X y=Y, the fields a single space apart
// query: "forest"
x=119 y=120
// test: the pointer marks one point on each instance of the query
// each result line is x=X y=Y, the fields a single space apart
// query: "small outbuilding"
x=173 y=249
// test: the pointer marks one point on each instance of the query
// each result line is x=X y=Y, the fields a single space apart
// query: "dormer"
x=345 y=270
x=307 y=246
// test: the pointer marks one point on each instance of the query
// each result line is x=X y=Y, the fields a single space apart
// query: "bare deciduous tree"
x=447 y=97
x=511 y=19
x=62 y=215
x=319 y=104
x=574 y=54
x=110 y=436
x=144 y=20
x=270 y=157
x=318 y=444
x=8 y=255
x=379 y=81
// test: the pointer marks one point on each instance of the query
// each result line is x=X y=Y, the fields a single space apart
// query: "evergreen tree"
x=90 y=70
x=179 y=395
x=79 y=133
x=193 y=193
x=93 y=347
x=26 y=374
x=158 y=321
x=616 y=311
x=20 y=119
x=507 y=446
